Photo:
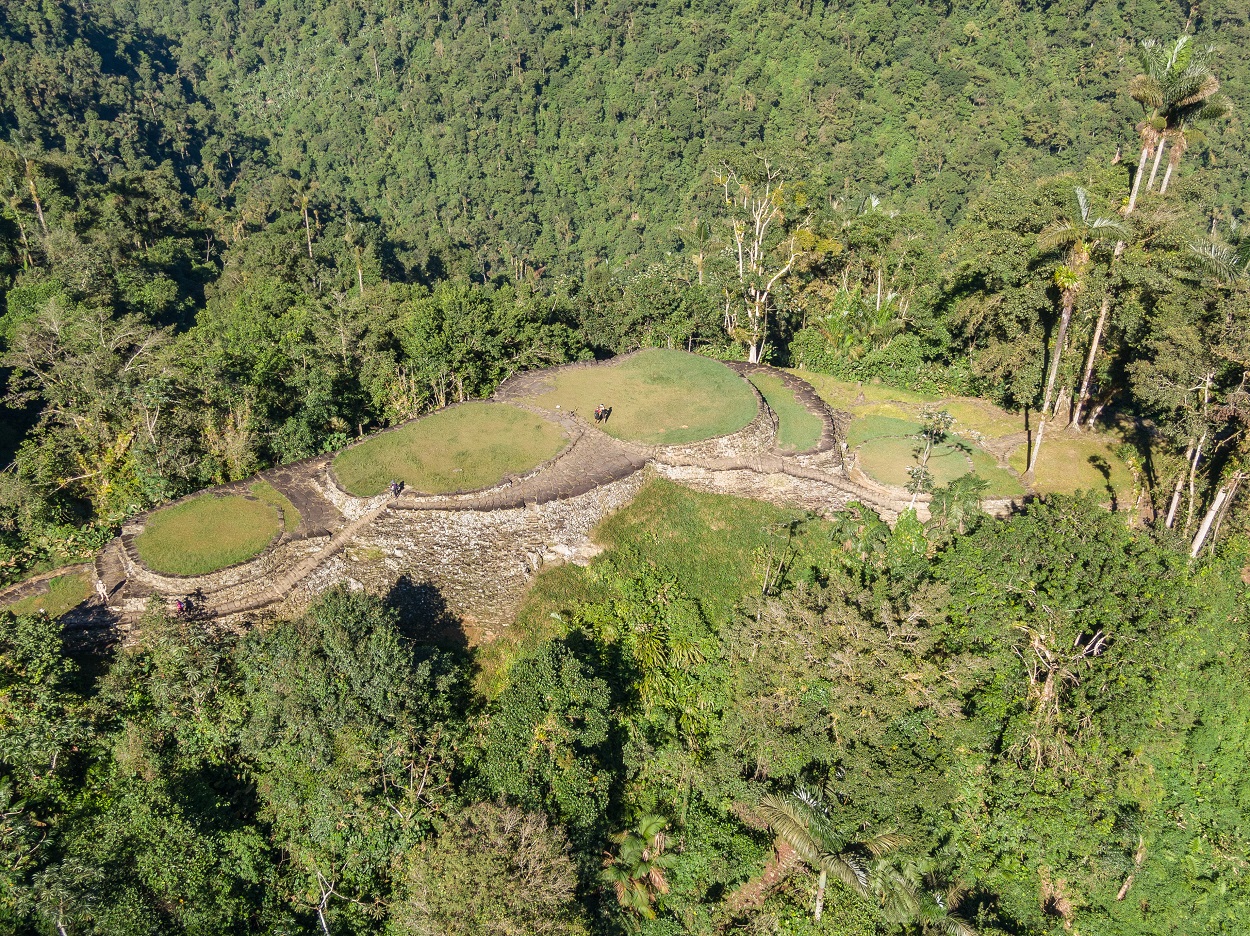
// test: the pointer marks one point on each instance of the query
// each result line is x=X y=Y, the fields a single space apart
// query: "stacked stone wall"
x=479 y=562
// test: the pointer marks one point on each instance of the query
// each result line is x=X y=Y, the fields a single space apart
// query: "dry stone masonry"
x=467 y=559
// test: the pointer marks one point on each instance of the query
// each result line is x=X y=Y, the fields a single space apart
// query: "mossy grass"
x=65 y=592
x=982 y=418
x=847 y=393
x=887 y=459
x=798 y=429
x=463 y=448
x=1003 y=483
x=207 y=533
x=711 y=543
x=271 y=495
x=879 y=427
x=1068 y=464
x=657 y=396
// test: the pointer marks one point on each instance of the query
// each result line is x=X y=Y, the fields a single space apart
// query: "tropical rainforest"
x=237 y=234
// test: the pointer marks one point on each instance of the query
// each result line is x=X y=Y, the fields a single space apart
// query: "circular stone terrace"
x=245 y=546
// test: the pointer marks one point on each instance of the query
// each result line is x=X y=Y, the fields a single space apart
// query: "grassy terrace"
x=797 y=429
x=64 y=593
x=207 y=533
x=459 y=449
x=885 y=420
x=658 y=397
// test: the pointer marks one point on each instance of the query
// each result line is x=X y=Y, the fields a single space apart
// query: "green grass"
x=1069 y=464
x=459 y=449
x=271 y=495
x=206 y=533
x=658 y=397
x=884 y=412
x=884 y=445
x=797 y=428
x=879 y=427
x=708 y=541
x=984 y=418
x=1003 y=483
x=887 y=460
x=65 y=592
x=845 y=394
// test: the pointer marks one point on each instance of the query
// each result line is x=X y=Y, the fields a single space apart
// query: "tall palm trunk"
x=1180 y=486
x=34 y=196
x=1167 y=176
x=1174 y=158
x=1141 y=171
x=27 y=260
x=1069 y=298
x=1205 y=528
x=1193 y=475
x=820 y=893
x=1154 y=169
x=307 y=231
x=1083 y=397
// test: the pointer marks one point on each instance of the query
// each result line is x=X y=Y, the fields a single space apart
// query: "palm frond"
x=1146 y=91
x=1220 y=260
x=1110 y=225
x=1082 y=202
x=791 y=823
x=847 y=869
x=1214 y=109
x=885 y=842
x=1058 y=234
x=1154 y=57
x=1180 y=54
x=1194 y=89
x=954 y=925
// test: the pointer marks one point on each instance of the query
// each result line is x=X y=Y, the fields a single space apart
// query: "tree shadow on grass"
x=423 y=614
x=1104 y=468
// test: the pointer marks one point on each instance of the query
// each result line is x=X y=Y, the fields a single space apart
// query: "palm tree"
x=1147 y=89
x=1229 y=264
x=1185 y=134
x=1175 y=90
x=701 y=232
x=958 y=505
x=860 y=531
x=922 y=902
x=803 y=821
x=1079 y=237
x=636 y=871
x=25 y=162
x=302 y=193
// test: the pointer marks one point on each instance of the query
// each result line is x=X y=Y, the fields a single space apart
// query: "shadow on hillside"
x=424 y=615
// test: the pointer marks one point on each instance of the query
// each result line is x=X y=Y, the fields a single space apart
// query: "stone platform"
x=470 y=557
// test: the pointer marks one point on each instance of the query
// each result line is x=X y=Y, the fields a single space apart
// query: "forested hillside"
x=1040 y=728
x=238 y=234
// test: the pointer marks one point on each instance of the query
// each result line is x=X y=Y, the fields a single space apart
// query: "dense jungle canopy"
x=237 y=233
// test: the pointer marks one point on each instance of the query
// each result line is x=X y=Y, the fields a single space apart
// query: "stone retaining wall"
x=822 y=494
x=755 y=436
x=478 y=562
x=230 y=583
